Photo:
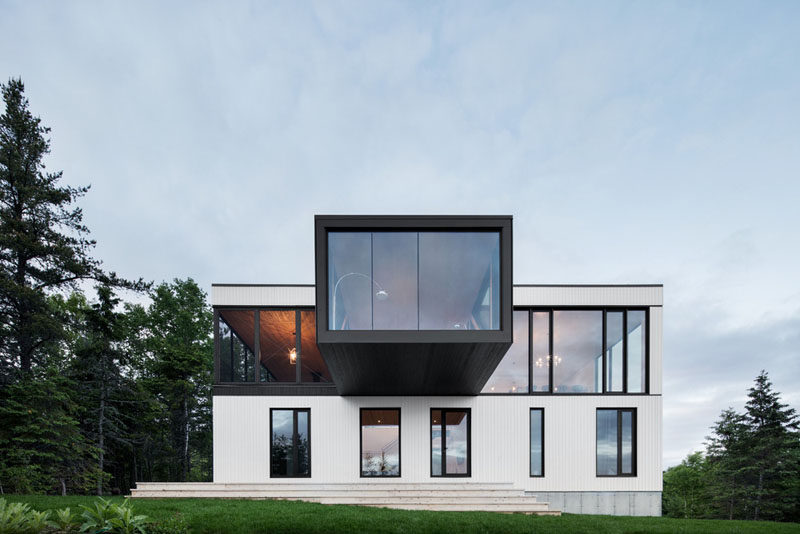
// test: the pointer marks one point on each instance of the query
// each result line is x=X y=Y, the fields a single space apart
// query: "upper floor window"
x=575 y=351
x=268 y=345
x=419 y=280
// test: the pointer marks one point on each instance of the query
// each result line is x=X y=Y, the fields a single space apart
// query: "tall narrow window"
x=637 y=349
x=614 y=353
x=450 y=443
x=540 y=356
x=616 y=442
x=236 y=345
x=290 y=443
x=380 y=442
x=537 y=442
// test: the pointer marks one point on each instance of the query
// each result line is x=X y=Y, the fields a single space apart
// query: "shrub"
x=106 y=516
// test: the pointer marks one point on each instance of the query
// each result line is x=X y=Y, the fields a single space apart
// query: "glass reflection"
x=537 y=442
x=606 y=442
x=627 y=443
x=380 y=442
x=577 y=351
x=290 y=453
x=236 y=343
x=614 y=351
x=636 y=351
x=436 y=442
x=511 y=375
x=414 y=280
x=282 y=457
x=456 y=443
x=540 y=358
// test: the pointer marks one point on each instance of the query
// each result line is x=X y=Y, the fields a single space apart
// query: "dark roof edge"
x=514 y=285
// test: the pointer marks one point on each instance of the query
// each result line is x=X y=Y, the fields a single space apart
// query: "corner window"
x=260 y=345
x=616 y=442
x=290 y=442
x=380 y=442
x=426 y=280
x=537 y=442
x=450 y=443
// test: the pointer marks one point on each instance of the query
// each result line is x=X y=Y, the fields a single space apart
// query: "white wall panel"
x=238 y=295
x=588 y=295
x=500 y=439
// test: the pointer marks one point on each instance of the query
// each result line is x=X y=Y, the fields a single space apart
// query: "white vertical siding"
x=588 y=295
x=656 y=348
x=500 y=439
x=236 y=295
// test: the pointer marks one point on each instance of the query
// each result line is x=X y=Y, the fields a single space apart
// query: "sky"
x=633 y=142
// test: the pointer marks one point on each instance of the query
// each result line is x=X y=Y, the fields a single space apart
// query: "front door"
x=450 y=442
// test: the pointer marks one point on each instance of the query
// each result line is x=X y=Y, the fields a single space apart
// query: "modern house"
x=415 y=374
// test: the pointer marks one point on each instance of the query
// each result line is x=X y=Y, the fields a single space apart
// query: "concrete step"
x=434 y=486
x=299 y=493
x=436 y=499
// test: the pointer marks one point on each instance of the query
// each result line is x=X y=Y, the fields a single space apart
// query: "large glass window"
x=616 y=442
x=537 y=442
x=450 y=442
x=236 y=345
x=269 y=345
x=577 y=351
x=290 y=442
x=511 y=376
x=380 y=442
x=414 y=280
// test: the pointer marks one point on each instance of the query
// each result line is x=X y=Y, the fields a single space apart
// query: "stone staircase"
x=499 y=497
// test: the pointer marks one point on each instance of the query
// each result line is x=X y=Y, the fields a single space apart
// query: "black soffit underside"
x=412 y=368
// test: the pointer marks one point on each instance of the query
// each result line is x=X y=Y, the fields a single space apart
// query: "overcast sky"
x=633 y=142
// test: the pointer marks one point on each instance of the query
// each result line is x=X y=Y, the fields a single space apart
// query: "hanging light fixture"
x=293 y=356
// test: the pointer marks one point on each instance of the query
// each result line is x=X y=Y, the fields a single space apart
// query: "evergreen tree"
x=727 y=460
x=772 y=442
x=179 y=372
x=44 y=245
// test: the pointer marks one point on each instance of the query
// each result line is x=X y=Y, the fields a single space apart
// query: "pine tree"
x=726 y=455
x=772 y=444
x=44 y=245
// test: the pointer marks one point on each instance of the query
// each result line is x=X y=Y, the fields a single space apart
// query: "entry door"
x=450 y=442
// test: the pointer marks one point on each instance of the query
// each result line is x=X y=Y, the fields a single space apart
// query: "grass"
x=249 y=517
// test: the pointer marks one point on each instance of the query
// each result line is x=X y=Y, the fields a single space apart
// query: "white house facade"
x=415 y=363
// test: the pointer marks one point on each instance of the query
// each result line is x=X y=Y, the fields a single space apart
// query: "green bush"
x=103 y=517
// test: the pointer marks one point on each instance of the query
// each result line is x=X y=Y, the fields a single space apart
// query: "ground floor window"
x=450 y=442
x=290 y=442
x=616 y=442
x=537 y=442
x=380 y=442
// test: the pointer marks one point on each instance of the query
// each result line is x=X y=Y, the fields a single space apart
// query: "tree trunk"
x=758 y=495
x=63 y=487
x=185 y=438
x=101 y=442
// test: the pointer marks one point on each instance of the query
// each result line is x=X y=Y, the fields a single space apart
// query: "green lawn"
x=273 y=517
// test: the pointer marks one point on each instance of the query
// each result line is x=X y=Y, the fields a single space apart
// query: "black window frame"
x=399 y=442
x=442 y=223
x=257 y=386
x=634 y=442
x=530 y=444
x=443 y=425
x=294 y=441
x=605 y=310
